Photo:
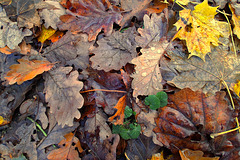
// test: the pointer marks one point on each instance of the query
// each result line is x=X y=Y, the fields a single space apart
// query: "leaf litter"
x=63 y=98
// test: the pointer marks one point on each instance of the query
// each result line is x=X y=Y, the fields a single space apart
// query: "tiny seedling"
x=157 y=101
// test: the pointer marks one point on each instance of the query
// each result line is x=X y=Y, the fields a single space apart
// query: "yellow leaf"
x=3 y=121
x=200 y=29
x=45 y=34
x=236 y=88
x=236 y=22
x=120 y=106
x=27 y=70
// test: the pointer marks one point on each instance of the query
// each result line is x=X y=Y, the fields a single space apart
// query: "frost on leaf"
x=189 y=119
x=62 y=94
x=193 y=73
x=147 y=77
x=200 y=29
x=27 y=70
x=10 y=34
x=90 y=16
x=114 y=51
x=154 y=29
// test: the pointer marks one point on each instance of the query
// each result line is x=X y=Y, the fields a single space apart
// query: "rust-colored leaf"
x=91 y=17
x=7 y=50
x=190 y=117
x=56 y=36
x=27 y=70
x=120 y=106
x=157 y=8
x=68 y=149
x=187 y=154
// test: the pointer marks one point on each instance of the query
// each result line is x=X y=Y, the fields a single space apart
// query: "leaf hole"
x=73 y=144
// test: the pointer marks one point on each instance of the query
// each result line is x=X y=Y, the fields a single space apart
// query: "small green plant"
x=130 y=129
x=157 y=101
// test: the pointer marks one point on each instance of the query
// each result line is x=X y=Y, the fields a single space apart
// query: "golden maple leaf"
x=200 y=29
x=27 y=70
x=236 y=22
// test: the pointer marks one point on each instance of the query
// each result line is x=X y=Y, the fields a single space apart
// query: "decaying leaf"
x=10 y=34
x=51 y=16
x=90 y=16
x=147 y=77
x=62 y=94
x=25 y=48
x=70 y=50
x=114 y=51
x=120 y=106
x=68 y=149
x=187 y=154
x=27 y=70
x=200 y=29
x=154 y=29
x=219 y=66
x=189 y=119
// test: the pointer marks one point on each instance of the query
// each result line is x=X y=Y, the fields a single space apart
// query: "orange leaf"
x=157 y=8
x=120 y=106
x=45 y=34
x=67 y=149
x=57 y=35
x=27 y=70
x=187 y=154
x=7 y=50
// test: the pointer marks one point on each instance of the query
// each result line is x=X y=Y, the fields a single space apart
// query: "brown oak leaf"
x=90 y=16
x=114 y=51
x=147 y=77
x=62 y=94
x=189 y=119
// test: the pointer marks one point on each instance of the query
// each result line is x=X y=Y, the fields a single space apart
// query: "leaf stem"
x=104 y=90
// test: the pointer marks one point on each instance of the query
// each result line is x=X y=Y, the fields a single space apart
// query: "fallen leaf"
x=190 y=117
x=236 y=22
x=70 y=50
x=62 y=94
x=120 y=106
x=133 y=8
x=3 y=121
x=182 y=2
x=157 y=7
x=236 y=88
x=187 y=154
x=147 y=77
x=25 y=48
x=114 y=51
x=68 y=149
x=10 y=34
x=91 y=17
x=219 y=66
x=27 y=70
x=7 y=50
x=56 y=36
x=200 y=29
x=51 y=16
x=154 y=29
x=45 y=34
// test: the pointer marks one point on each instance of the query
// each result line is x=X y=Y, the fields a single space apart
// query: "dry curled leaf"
x=62 y=94
x=190 y=117
x=90 y=16
x=68 y=149
x=27 y=70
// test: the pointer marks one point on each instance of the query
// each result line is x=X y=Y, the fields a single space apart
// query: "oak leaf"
x=62 y=94
x=27 y=70
x=220 y=66
x=200 y=29
x=187 y=154
x=147 y=77
x=120 y=106
x=68 y=149
x=90 y=16
x=190 y=117
x=154 y=29
x=114 y=51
